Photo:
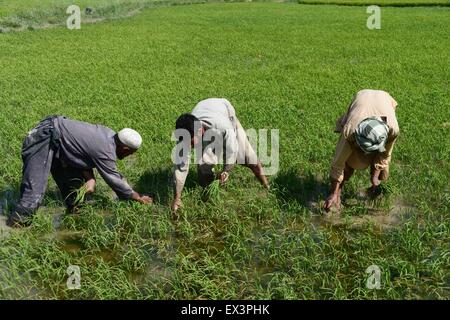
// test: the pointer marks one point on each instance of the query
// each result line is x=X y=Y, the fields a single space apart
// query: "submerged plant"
x=80 y=195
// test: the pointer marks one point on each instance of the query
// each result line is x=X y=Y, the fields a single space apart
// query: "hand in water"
x=146 y=200
x=332 y=201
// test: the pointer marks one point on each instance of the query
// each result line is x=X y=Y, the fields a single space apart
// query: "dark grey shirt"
x=87 y=146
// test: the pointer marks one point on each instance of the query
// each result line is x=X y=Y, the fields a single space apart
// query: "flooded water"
x=156 y=268
x=71 y=240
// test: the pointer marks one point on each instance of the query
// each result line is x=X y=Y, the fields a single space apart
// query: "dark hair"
x=186 y=121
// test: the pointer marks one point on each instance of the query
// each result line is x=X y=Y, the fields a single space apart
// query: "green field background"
x=401 y=3
x=283 y=66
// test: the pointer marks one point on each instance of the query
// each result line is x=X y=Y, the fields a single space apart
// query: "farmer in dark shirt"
x=70 y=150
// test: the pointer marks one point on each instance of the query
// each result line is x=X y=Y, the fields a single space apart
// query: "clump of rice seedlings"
x=212 y=191
x=80 y=195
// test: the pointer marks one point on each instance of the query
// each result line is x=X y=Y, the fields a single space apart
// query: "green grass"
x=27 y=15
x=284 y=66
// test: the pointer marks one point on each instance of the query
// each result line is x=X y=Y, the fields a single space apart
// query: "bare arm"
x=334 y=197
x=90 y=181
x=180 y=173
x=374 y=178
x=337 y=174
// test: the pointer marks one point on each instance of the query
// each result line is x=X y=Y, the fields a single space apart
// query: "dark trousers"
x=38 y=156
x=68 y=180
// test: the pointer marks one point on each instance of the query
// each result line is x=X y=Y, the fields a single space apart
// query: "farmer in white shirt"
x=212 y=118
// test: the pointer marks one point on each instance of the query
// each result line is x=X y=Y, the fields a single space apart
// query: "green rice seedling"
x=80 y=195
x=212 y=192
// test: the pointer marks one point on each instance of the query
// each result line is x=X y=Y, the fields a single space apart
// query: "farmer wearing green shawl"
x=368 y=133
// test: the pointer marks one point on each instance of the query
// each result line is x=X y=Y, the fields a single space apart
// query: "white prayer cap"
x=131 y=138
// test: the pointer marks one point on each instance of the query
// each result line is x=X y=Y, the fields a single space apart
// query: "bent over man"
x=214 y=128
x=70 y=150
x=368 y=133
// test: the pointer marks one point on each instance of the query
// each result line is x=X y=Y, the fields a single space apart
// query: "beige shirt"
x=367 y=103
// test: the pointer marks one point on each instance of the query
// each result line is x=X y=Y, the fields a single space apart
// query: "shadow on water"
x=384 y=211
x=158 y=184
x=154 y=266
x=305 y=190
x=8 y=200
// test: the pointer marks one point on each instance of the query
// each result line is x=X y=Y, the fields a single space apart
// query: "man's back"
x=370 y=103
x=83 y=142
x=215 y=112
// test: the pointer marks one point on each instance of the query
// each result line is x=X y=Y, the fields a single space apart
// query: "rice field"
x=285 y=66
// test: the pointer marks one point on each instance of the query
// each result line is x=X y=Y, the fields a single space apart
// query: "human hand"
x=332 y=201
x=146 y=200
x=223 y=177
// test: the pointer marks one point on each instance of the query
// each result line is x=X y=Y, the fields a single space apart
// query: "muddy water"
x=156 y=268
x=396 y=215
x=71 y=241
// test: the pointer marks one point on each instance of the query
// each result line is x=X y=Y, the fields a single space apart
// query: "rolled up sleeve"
x=343 y=152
